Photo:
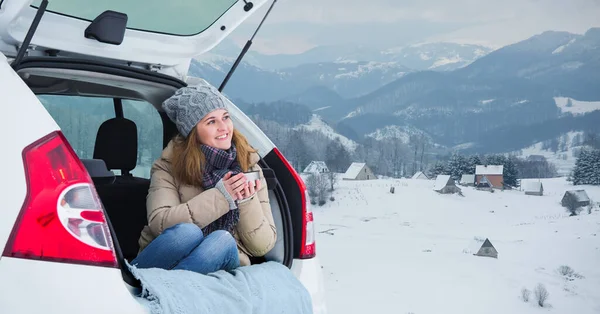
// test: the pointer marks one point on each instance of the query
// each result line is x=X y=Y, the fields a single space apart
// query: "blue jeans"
x=184 y=246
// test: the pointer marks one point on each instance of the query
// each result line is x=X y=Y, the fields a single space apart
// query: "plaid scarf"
x=218 y=163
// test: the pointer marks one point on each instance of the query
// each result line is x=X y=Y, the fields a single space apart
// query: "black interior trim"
x=118 y=103
x=128 y=277
x=271 y=178
x=100 y=67
x=293 y=200
x=108 y=27
x=288 y=227
x=169 y=129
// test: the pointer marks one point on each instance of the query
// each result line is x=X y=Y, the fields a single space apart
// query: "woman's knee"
x=185 y=232
x=222 y=239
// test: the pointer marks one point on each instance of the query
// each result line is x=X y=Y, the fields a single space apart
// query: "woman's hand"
x=250 y=189
x=235 y=185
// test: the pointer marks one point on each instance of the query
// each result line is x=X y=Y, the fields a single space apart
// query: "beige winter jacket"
x=169 y=203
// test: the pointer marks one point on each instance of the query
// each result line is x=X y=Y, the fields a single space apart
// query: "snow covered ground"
x=578 y=107
x=563 y=160
x=412 y=251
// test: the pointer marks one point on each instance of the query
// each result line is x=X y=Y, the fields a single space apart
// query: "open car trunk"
x=155 y=34
x=124 y=194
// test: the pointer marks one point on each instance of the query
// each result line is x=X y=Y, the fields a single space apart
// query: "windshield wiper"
x=245 y=49
x=30 y=32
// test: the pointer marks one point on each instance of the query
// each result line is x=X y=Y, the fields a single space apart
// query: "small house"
x=575 y=198
x=420 y=176
x=359 y=171
x=492 y=175
x=316 y=167
x=467 y=180
x=487 y=250
x=445 y=185
x=533 y=188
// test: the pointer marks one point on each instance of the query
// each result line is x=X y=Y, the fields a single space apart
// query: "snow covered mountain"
x=317 y=124
x=346 y=70
x=436 y=56
x=402 y=133
x=466 y=96
x=509 y=99
x=251 y=83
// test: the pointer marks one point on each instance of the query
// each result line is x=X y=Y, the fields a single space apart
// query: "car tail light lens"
x=308 y=249
x=62 y=219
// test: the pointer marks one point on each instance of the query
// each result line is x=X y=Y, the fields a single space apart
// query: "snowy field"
x=577 y=107
x=412 y=251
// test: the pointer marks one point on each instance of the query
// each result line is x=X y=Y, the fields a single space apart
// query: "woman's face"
x=216 y=129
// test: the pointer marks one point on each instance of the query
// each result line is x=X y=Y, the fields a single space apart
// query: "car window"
x=183 y=17
x=80 y=117
x=150 y=134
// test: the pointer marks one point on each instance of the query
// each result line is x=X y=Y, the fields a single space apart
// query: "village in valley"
x=488 y=178
x=458 y=237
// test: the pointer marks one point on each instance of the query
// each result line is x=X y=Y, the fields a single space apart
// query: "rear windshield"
x=179 y=17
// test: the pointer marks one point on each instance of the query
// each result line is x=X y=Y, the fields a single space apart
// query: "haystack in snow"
x=487 y=250
x=445 y=185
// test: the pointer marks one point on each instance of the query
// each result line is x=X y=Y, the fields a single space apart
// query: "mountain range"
x=461 y=96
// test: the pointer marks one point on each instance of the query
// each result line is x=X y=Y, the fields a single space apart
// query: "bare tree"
x=541 y=294
x=333 y=180
x=424 y=144
x=572 y=206
x=414 y=143
x=317 y=188
x=525 y=294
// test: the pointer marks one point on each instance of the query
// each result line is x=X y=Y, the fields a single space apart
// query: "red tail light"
x=308 y=249
x=62 y=218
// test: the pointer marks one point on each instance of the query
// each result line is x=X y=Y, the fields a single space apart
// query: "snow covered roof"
x=489 y=170
x=316 y=167
x=467 y=178
x=354 y=170
x=441 y=181
x=580 y=195
x=532 y=186
x=420 y=175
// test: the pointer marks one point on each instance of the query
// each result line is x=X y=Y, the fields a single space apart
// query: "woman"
x=203 y=215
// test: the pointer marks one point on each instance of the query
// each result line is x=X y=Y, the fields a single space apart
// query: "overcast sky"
x=298 y=25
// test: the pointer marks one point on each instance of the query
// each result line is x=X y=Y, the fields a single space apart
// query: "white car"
x=81 y=124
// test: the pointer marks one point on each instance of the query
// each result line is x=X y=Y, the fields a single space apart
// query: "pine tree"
x=510 y=171
x=595 y=159
x=457 y=166
x=438 y=168
x=473 y=161
x=585 y=169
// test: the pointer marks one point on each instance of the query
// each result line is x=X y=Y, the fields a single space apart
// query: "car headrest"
x=116 y=144
x=97 y=168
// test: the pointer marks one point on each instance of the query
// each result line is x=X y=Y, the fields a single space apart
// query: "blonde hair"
x=188 y=161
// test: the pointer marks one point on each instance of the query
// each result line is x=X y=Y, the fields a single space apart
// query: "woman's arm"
x=165 y=208
x=256 y=228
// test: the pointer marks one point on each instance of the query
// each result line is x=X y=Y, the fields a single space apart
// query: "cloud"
x=304 y=24
x=382 y=11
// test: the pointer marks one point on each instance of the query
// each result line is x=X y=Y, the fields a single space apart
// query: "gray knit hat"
x=192 y=103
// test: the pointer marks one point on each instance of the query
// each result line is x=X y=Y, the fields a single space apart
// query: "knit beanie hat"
x=192 y=103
